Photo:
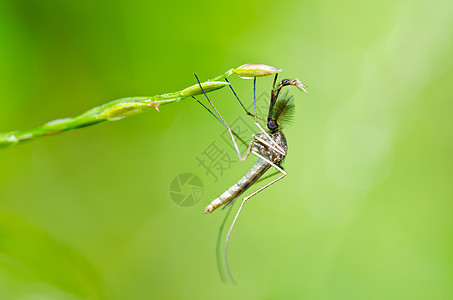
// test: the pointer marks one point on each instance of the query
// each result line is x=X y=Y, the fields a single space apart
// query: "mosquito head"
x=282 y=113
x=281 y=107
x=272 y=125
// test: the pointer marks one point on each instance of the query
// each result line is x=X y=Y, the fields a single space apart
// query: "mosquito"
x=269 y=146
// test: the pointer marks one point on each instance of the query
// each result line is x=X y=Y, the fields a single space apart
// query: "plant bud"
x=253 y=70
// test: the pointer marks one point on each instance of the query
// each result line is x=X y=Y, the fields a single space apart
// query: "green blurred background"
x=364 y=213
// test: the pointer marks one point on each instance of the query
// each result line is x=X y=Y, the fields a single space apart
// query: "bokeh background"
x=364 y=213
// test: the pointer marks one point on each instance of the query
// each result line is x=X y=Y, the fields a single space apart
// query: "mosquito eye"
x=272 y=125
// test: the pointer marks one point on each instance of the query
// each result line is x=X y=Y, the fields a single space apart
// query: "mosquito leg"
x=270 y=183
x=276 y=146
x=222 y=120
x=215 y=116
x=268 y=176
x=254 y=97
x=227 y=239
x=271 y=145
x=250 y=147
x=249 y=150
x=240 y=102
x=219 y=245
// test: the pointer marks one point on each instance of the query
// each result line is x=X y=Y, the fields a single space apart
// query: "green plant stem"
x=125 y=107
x=111 y=111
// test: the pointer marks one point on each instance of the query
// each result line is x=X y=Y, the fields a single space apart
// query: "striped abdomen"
x=241 y=186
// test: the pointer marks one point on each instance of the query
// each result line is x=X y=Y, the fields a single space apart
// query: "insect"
x=268 y=145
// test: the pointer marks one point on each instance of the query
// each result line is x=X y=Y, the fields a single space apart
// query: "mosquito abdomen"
x=241 y=186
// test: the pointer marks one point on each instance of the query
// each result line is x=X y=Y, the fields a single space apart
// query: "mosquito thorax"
x=261 y=144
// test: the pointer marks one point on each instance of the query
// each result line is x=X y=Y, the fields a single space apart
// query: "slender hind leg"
x=218 y=251
x=225 y=256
